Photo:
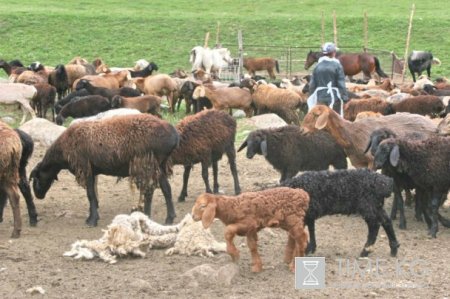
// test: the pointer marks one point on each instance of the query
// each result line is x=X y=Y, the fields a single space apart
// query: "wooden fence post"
x=365 y=32
x=408 y=37
x=335 y=28
x=323 y=29
x=241 y=55
x=218 y=35
x=206 y=40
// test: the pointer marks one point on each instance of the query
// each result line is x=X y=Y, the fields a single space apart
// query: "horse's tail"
x=277 y=67
x=378 y=69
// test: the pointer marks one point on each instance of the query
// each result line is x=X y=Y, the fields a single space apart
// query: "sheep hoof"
x=15 y=234
x=169 y=219
x=364 y=253
x=402 y=225
x=182 y=198
x=1 y=219
x=256 y=268
x=91 y=222
x=419 y=218
x=33 y=222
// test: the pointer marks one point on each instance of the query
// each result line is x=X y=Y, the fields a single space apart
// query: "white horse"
x=18 y=93
x=210 y=60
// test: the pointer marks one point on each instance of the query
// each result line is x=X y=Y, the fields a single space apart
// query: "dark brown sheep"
x=44 y=99
x=82 y=107
x=204 y=138
x=10 y=153
x=145 y=104
x=353 y=107
x=261 y=64
x=248 y=213
x=137 y=146
x=423 y=105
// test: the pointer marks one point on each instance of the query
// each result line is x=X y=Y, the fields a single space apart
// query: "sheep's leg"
x=26 y=108
x=311 y=248
x=389 y=229
x=252 y=242
x=26 y=192
x=184 y=193
x=91 y=183
x=400 y=206
x=419 y=209
x=289 y=251
x=435 y=201
x=429 y=71
x=215 y=176
x=299 y=235
x=408 y=198
x=373 y=227
x=167 y=192
x=13 y=195
x=205 y=177
x=3 y=199
x=230 y=232
x=148 y=195
x=231 y=154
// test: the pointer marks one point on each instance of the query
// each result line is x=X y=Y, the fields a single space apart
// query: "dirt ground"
x=420 y=271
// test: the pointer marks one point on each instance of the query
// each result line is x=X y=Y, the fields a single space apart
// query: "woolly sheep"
x=248 y=213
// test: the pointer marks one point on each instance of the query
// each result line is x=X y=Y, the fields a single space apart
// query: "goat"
x=138 y=146
x=248 y=213
x=289 y=151
x=204 y=137
x=18 y=93
x=82 y=107
x=353 y=191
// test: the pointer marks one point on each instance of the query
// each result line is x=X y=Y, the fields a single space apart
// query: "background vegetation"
x=53 y=31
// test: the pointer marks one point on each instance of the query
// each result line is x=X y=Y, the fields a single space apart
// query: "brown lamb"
x=145 y=104
x=10 y=153
x=248 y=213
x=423 y=105
x=353 y=107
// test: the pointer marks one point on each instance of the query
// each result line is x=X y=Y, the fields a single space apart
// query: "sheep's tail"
x=436 y=61
x=277 y=66
x=378 y=69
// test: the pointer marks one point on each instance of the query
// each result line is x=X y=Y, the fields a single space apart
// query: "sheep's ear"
x=322 y=121
x=209 y=213
x=394 y=156
x=264 y=147
x=243 y=145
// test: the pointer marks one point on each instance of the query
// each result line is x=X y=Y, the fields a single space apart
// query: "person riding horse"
x=327 y=85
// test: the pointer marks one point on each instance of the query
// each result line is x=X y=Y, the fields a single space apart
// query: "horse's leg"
x=271 y=73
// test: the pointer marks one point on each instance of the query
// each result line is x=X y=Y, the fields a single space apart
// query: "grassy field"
x=53 y=32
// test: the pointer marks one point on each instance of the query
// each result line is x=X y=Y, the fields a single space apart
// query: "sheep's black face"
x=59 y=120
x=253 y=147
x=381 y=156
x=42 y=180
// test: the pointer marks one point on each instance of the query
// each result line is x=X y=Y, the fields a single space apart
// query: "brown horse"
x=353 y=63
x=264 y=63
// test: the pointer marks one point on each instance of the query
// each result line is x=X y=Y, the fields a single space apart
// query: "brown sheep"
x=282 y=102
x=135 y=146
x=423 y=105
x=159 y=85
x=10 y=153
x=31 y=78
x=259 y=64
x=226 y=98
x=109 y=80
x=145 y=104
x=248 y=213
x=44 y=99
x=204 y=138
x=353 y=107
x=355 y=136
x=366 y=114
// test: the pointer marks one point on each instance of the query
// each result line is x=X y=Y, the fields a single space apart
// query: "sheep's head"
x=256 y=143
x=42 y=178
x=205 y=209
x=116 y=101
x=59 y=120
x=199 y=92
x=377 y=137
x=152 y=66
x=316 y=119
x=388 y=152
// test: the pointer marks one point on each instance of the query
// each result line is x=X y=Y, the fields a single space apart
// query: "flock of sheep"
x=384 y=127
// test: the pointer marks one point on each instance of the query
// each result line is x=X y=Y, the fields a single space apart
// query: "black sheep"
x=59 y=79
x=289 y=151
x=77 y=93
x=353 y=191
x=27 y=151
x=186 y=92
x=147 y=71
x=426 y=162
x=82 y=107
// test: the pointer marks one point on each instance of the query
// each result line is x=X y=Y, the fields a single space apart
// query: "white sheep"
x=107 y=114
x=18 y=93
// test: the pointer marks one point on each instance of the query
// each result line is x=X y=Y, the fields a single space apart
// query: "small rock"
x=239 y=114
x=35 y=290
x=8 y=119
x=226 y=273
